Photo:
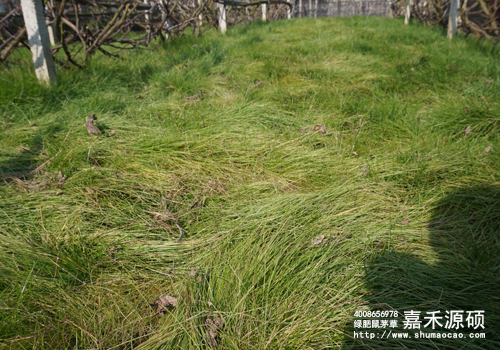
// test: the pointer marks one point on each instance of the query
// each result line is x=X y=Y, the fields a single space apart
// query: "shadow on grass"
x=23 y=166
x=465 y=234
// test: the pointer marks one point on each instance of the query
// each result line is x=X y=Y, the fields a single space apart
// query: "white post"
x=408 y=12
x=309 y=10
x=300 y=8
x=264 y=12
x=452 y=21
x=222 y=18
x=147 y=15
x=167 y=26
x=463 y=11
x=50 y=29
x=200 y=16
x=166 y=23
x=38 y=37
x=288 y=11
x=52 y=34
x=315 y=8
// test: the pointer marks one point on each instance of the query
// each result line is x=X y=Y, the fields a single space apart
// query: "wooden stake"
x=38 y=37
x=264 y=12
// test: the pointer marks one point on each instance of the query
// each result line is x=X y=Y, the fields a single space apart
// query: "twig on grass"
x=174 y=219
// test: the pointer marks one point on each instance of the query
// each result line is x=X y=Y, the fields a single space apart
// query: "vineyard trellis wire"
x=476 y=17
x=79 y=28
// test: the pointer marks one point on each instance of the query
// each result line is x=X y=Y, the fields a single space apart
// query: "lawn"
x=315 y=168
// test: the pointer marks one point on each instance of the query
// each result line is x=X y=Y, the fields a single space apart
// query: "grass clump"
x=392 y=203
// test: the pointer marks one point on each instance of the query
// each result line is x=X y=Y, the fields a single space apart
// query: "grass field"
x=392 y=203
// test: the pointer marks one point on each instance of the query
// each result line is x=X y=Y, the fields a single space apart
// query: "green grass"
x=411 y=204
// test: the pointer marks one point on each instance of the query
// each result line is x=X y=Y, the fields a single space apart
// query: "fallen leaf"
x=192 y=273
x=164 y=302
x=191 y=98
x=467 y=131
x=355 y=153
x=198 y=276
x=405 y=222
x=316 y=242
x=320 y=128
x=194 y=97
x=487 y=149
x=322 y=241
x=60 y=179
x=212 y=326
